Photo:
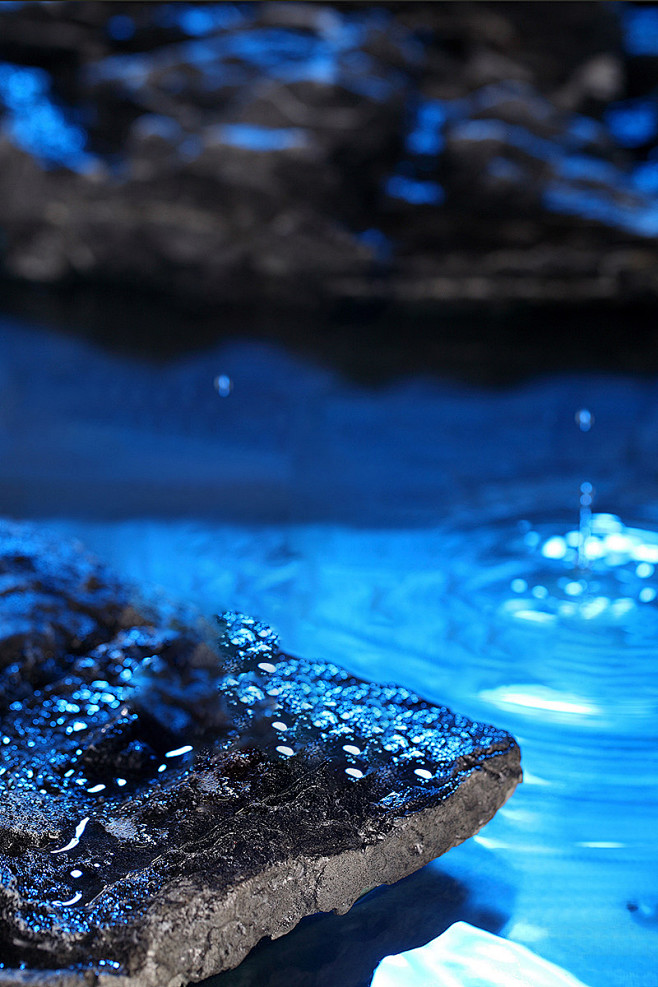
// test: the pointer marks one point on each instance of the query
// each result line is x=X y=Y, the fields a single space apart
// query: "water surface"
x=398 y=531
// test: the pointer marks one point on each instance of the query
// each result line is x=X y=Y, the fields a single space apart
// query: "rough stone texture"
x=166 y=804
x=419 y=152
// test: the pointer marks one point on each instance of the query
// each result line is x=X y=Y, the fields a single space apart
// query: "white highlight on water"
x=464 y=955
x=179 y=751
x=79 y=830
x=72 y=901
x=537 y=697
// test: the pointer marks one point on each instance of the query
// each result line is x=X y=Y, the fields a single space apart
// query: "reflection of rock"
x=302 y=151
x=345 y=949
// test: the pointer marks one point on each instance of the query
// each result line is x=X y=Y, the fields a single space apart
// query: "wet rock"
x=167 y=803
x=328 y=152
x=213 y=159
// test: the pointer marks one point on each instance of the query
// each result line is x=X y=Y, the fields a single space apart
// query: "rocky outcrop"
x=167 y=804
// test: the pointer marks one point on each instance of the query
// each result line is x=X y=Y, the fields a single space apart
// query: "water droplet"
x=647 y=594
x=644 y=570
x=179 y=751
x=288 y=751
x=351 y=749
x=76 y=873
x=584 y=419
x=423 y=773
x=223 y=385
x=354 y=772
x=278 y=725
x=554 y=548
x=121 y=782
x=265 y=666
x=96 y=788
x=518 y=586
x=645 y=912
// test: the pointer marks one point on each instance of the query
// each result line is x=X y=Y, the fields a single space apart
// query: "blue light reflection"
x=121 y=27
x=640 y=23
x=465 y=956
x=425 y=136
x=415 y=191
x=634 y=123
x=256 y=138
x=198 y=20
x=36 y=123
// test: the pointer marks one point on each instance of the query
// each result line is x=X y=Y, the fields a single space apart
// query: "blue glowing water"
x=423 y=533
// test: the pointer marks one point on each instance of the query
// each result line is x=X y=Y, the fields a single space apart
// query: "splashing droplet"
x=584 y=419
x=223 y=385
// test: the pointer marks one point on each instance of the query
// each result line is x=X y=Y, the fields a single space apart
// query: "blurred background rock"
x=480 y=178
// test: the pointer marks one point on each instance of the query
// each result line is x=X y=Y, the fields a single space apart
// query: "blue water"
x=423 y=532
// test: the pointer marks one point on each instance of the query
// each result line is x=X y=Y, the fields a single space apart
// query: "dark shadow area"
x=368 y=343
x=332 y=950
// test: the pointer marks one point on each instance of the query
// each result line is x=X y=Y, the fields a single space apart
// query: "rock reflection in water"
x=327 y=950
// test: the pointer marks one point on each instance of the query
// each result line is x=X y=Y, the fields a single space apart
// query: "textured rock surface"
x=166 y=804
x=420 y=152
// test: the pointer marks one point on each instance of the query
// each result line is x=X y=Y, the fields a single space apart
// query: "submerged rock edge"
x=193 y=933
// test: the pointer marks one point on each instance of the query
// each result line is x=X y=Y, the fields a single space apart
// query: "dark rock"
x=167 y=804
x=309 y=149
